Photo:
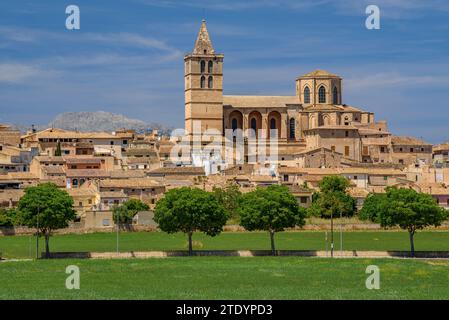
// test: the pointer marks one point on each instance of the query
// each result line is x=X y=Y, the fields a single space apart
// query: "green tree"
x=373 y=204
x=58 y=151
x=46 y=208
x=334 y=184
x=124 y=213
x=7 y=217
x=333 y=199
x=407 y=209
x=189 y=210
x=229 y=197
x=271 y=209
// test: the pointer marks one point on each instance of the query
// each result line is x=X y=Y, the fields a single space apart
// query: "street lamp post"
x=117 y=225
x=332 y=234
x=341 y=234
x=37 y=234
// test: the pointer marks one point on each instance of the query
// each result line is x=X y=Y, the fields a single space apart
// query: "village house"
x=145 y=189
x=440 y=155
x=410 y=150
x=9 y=136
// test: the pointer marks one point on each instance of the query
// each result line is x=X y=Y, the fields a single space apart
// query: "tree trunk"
x=273 y=247
x=190 y=244
x=47 y=245
x=411 y=233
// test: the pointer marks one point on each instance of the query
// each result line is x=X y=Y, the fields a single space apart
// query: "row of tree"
x=188 y=210
x=271 y=209
x=274 y=209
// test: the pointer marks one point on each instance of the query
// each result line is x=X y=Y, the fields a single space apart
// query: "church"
x=314 y=118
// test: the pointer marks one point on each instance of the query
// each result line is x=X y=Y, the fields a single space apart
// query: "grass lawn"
x=25 y=246
x=226 y=278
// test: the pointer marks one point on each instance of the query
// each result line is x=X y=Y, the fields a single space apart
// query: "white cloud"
x=17 y=73
x=387 y=79
x=390 y=8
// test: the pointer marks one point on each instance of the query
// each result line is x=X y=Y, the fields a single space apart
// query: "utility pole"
x=341 y=234
x=117 y=225
x=325 y=240
x=332 y=234
x=37 y=234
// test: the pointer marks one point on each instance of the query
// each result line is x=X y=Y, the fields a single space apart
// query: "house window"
x=333 y=148
x=306 y=95
x=210 y=66
x=365 y=150
x=234 y=124
x=273 y=123
x=105 y=222
x=292 y=128
x=382 y=149
x=285 y=177
x=203 y=66
x=80 y=204
x=355 y=177
x=347 y=151
x=411 y=149
x=112 y=143
x=303 y=199
x=203 y=82
x=335 y=96
x=254 y=124
x=321 y=95
x=210 y=83
x=346 y=133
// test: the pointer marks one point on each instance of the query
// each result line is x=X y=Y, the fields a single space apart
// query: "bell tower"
x=203 y=77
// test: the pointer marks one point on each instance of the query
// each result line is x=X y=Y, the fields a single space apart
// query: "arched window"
x=321 y=95
x=234 y=124
x=254 y=124
x=273 y=123
x=210 y=83
x=210 y=66
x=203 y=82
x=306 y=95
x=292 y=128
x=335 y=96
x=203 y=66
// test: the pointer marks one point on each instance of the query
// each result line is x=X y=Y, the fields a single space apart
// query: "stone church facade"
x=315 y=117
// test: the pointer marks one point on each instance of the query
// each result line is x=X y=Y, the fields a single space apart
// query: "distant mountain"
x=100 y=121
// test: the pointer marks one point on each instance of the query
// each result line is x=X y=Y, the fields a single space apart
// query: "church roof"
x=203 y=43
x=331 y=107
x=260 y=101
x=319 y=74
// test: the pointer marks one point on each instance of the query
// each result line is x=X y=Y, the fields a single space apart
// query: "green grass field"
x=226 y=278
x=25 y=246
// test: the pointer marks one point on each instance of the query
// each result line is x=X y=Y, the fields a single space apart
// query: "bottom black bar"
x=226 y=309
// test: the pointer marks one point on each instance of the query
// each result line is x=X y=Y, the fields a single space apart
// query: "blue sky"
x=128 y=56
